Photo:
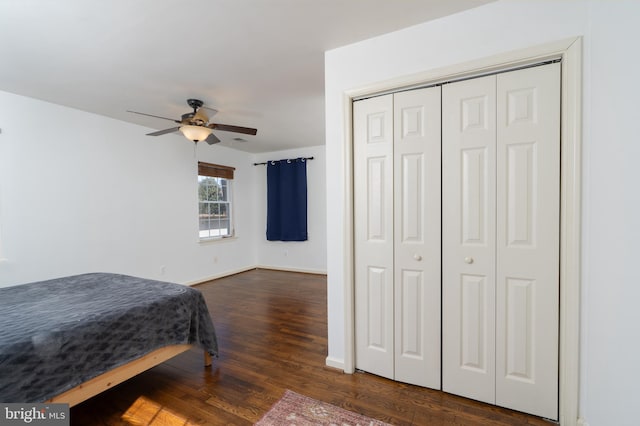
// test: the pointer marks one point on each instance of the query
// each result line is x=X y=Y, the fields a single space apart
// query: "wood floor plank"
x=272 y=333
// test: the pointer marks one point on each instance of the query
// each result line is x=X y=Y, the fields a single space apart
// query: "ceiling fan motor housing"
x=195 y=103
x=187 y=117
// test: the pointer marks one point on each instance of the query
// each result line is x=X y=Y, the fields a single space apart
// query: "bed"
x=67 y=339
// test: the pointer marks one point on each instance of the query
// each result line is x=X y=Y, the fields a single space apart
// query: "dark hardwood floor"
x=272 y=333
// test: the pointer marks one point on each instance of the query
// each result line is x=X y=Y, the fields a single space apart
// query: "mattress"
x=57 y=334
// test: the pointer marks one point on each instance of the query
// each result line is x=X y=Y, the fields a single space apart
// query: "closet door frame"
x=569 y=51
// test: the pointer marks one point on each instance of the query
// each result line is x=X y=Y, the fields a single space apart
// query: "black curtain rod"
x=304 y=158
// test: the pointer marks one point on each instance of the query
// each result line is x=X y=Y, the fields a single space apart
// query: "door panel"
x=474 y=354
x=468 y=238
x=528 y=217
x=521 y=193
x=410 y=343
x=377 y=283
x=417 y=236
x=377 y=174
x=519 y=307
x=373 y=206
x=473 y=196
x=412 y=187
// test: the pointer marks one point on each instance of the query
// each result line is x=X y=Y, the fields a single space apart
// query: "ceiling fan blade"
x=230 y=128
x=156 y=116
x=201 y=115
x=164 y=132
x=212 y=139
x=212 y=111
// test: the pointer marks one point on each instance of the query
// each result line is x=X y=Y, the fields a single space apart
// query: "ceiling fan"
x=195 y=125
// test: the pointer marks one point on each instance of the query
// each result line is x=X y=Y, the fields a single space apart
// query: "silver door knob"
x=417 y=257
x=468 y=260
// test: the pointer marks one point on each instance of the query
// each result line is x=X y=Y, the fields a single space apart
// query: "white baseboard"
x=582 y=422
x=220 y=275
x=334 y=363
x=293 y=269
x=248 y=268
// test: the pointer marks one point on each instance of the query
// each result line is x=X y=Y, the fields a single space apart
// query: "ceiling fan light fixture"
x=195 y=133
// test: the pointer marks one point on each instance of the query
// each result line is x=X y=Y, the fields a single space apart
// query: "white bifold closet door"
x=397 y=236
x=469 y=238
x=501 y=171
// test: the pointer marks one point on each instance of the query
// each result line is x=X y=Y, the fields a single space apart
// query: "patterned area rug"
x=298 y=410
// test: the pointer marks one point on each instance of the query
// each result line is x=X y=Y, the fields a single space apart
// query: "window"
x=215 y=184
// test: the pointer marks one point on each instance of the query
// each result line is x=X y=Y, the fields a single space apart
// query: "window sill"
x=216 y=239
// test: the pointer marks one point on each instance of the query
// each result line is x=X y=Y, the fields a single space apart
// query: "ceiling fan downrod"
x=195 y=104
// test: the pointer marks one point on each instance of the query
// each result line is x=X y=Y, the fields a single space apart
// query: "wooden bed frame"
x=107 y=380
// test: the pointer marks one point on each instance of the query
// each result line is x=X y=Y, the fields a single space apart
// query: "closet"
x=456 y=237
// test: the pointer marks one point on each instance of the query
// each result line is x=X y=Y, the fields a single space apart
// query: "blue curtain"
x=287 y=200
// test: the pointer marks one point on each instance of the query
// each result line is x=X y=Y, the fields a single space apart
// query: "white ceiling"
x=259 y=62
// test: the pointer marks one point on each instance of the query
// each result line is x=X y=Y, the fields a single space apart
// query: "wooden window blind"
x=215 y=170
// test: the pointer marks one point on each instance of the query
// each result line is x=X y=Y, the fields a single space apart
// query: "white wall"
x=611 y=340
x=84 y=193
x=119 y=201
x=306 y=256
x=609 y=347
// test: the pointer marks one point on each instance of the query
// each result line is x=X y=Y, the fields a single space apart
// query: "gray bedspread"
x=59 y=333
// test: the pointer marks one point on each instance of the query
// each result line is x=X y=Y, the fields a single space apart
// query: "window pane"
x=223 y=190
x=224 y=220
x=214 y=190
x=204 y=209
x=204 y=220
x=210 y=189
x=216 y=225
x=223 y=209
